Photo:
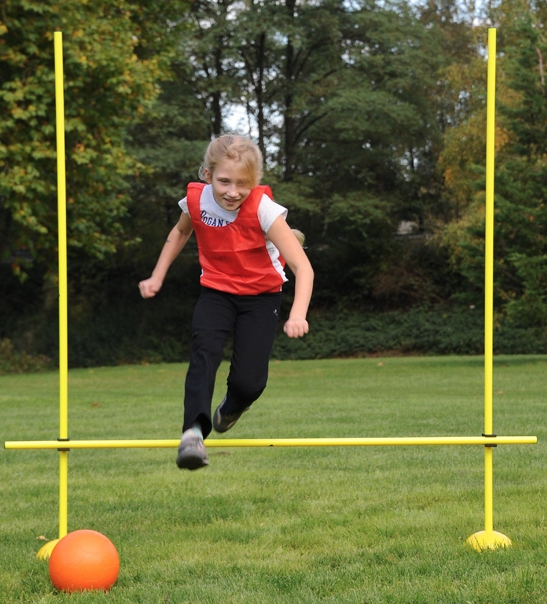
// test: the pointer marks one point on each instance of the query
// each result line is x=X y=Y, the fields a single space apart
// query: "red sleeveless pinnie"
x=234 y=258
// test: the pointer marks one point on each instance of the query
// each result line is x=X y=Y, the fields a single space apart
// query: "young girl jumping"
x=243 y=243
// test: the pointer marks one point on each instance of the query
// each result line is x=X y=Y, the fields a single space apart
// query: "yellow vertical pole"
x=46 y=550
x=489 y=539
x=63 y=279
x=489 y=277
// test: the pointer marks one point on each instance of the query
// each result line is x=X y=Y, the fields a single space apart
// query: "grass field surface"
x=363 y=525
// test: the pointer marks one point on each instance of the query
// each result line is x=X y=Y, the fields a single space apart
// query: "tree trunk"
x=289 y=123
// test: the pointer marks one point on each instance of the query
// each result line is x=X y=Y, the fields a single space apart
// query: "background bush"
x=435 y=331
x=106 y=339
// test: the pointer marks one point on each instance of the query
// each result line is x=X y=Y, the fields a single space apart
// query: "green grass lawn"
x=363 y=525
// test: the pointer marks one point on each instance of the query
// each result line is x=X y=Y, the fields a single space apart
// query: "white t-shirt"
x=268 y=212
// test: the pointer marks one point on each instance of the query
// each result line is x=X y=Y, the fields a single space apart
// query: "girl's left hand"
x=296 y=328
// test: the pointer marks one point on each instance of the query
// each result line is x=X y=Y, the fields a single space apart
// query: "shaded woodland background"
x=371 y=116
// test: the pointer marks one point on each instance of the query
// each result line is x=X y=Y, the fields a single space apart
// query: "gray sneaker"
x=192 y=453
x=222 y=423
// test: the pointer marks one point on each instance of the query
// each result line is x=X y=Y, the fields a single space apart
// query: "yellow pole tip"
x=488 y=540
x=45 y=551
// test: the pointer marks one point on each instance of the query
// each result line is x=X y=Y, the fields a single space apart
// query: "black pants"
x=253 y=321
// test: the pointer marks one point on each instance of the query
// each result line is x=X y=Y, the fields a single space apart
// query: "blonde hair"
x=236 y=148
x=300 y=236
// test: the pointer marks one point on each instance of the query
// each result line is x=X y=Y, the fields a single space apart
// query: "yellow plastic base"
x=45 y=551
x=483 y=540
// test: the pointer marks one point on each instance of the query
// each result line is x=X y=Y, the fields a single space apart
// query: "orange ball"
x=84 y=560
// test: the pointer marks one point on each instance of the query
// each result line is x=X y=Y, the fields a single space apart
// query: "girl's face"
x=231 y=184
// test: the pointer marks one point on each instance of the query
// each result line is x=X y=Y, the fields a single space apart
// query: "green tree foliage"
x=374 y=152
x=111 y=72
x=522 y=179
x=368 y=113
x=521 y=175
x=209 y=45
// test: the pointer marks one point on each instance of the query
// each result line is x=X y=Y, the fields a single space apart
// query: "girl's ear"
x=208 y=175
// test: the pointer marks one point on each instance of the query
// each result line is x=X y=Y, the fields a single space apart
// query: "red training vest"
x=234 y=258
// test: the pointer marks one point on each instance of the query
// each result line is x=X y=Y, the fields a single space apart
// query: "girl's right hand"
x=150 y=287
x=296 y=328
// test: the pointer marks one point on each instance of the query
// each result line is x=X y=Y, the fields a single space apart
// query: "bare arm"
x=174 y=244
x=285 y=241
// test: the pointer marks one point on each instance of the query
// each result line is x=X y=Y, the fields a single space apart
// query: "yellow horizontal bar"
x=277 y=442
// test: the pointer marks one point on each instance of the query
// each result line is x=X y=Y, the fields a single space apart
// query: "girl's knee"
x=245 y=392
